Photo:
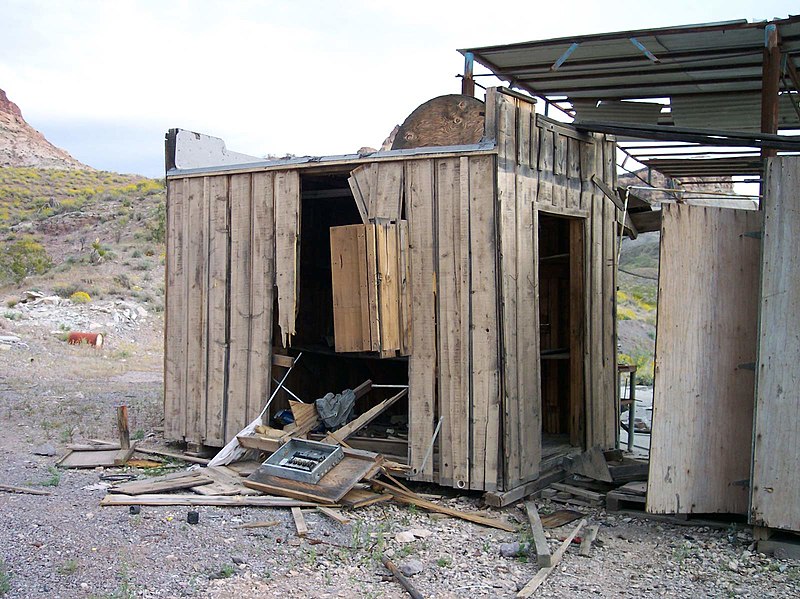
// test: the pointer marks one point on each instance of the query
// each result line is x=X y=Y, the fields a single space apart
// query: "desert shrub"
x=65 y=290
x=23 y=258
x=157 y=227
x=80 y=297
x=625 y=313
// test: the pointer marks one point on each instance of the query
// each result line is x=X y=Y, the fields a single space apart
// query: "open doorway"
x=561 y=320
x=327 y=202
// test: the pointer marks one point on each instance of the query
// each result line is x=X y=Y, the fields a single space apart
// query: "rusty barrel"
x=93 y=339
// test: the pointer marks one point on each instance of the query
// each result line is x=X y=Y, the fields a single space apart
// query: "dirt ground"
x=65 y=545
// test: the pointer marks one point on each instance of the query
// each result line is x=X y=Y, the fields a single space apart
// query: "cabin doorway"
x=561 y=325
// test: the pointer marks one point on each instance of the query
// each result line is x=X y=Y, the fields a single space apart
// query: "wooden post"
x=632 y=408
x=770 y=84
x=467 y=82
x=122 y=425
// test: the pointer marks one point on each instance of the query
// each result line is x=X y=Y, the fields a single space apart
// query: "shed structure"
x=482 y=275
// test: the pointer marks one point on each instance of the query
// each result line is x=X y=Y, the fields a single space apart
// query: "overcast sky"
x=105 y=80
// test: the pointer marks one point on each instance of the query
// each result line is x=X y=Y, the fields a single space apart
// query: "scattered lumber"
x=588 y=539
x=260 y=524
x=334 y=515
x=196 y=500
x=542 y=574
x=405 y=582
x=354 y=426
x=104 y=458
x=402 y=496
x=591 y=463
x=560 y=518
x=170 y=482
x=356 y=498
x=502 y=499
x=27 y=490
x=591 y=496
x=170 y=454
x=543 y=557
x=299 y=522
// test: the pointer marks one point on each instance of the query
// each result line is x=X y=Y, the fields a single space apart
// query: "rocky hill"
x=23 y=146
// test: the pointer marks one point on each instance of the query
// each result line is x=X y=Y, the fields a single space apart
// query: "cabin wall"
x=544 y=166
x=231 y=250
x=775 y=500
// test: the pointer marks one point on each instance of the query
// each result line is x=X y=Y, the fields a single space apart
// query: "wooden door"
x=705 y=350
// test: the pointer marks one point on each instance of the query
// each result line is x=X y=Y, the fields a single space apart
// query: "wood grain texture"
x=287 y=250
x=239 y=321
x=351 y=313
x=484 y=334
x=776 y=449
x=703 y=401
x=262 y=283
x=217 y=347
x=197 y=309
x=419 y=204
x=388 y=280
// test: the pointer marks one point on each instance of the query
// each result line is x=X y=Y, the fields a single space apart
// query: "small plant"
x=54 y=480
x=11 y=315
x=68 y=567
x=80 y=297
x=138 y=435
x=5 y=579
x=225 y=572
x=444 y=562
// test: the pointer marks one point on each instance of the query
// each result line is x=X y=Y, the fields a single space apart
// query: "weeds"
x=68 y=568
x=225 y=572
x=54 y=480
x=444 y=562
x=5 y=579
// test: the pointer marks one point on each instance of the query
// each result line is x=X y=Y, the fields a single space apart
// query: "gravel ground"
x=65 y=545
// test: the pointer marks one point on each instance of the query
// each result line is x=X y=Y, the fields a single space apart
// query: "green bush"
x=23 y=258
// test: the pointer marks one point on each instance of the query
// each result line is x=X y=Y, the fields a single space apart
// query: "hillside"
x=22 y=145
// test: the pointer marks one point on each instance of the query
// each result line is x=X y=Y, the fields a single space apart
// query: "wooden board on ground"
x=355 y=466
x=334 y=515
x=299 y=522
x=356 y=498
x=220 y=501
x=542 y=574
x=89 y=459
x=171 y=482
x=590 y=463
x=543 y=556
x=560 y=518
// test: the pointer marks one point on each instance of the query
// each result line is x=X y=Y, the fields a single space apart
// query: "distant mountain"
x=23 y=146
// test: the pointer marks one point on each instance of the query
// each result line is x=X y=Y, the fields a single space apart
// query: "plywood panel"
x=175 y=332
x=217 y=311
x=703 y=403
x=776 y=449
x=484 y=334
x=262 y=282
x=419 y=198
x=196 y=308
x=287 y=253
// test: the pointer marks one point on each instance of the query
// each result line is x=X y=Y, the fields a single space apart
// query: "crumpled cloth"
x=336 y=410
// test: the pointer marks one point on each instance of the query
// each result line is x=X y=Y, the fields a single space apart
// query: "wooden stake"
x=299 y=522
x=122 y=425
x=542 y=574
x=543 y=557
x=415 y=594
x=588 y=539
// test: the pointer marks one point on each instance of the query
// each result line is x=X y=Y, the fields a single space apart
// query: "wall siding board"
x=175 y=330
x=287 y=250
x=703 y=401
x=776 y=441
x=218 y=261
x=419 y=199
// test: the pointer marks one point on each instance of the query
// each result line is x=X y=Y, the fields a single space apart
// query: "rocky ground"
x=66 y=545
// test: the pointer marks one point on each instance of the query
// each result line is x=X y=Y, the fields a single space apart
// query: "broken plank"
x=260 y=524
x=578 y=492
x=282 y=360
x=543 y=557
x=356 y=498
x=172 y=455
x=588 y=539
x=28 y=490
x=170 y=482
x=406 y=584
x=334 y=515
x=502 y=499
x=542 y=574
x=259 y=442
x=193 y=500
x=342 y=433
x=88 y=459
x=592 y=464
x=299 y=522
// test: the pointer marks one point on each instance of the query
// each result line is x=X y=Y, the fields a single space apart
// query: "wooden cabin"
x=480 y=273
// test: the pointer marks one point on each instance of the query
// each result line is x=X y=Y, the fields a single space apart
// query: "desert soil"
x=66 y=545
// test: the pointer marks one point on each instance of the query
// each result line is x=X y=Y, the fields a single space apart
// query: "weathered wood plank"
x=387 y=261
x=175 y=314
x=388 y=191
x=703 y=403
x=287 y=258
x=577 y=316
x=419 y=197
x=573 y=173
x=239 y=326
x=217 y=311
x=453 y=347
x=351 y=314
x=404 y=284
x=776 y=492
x=197 y=309
x=262 y=286
x=543 y=557
x=484 y=338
